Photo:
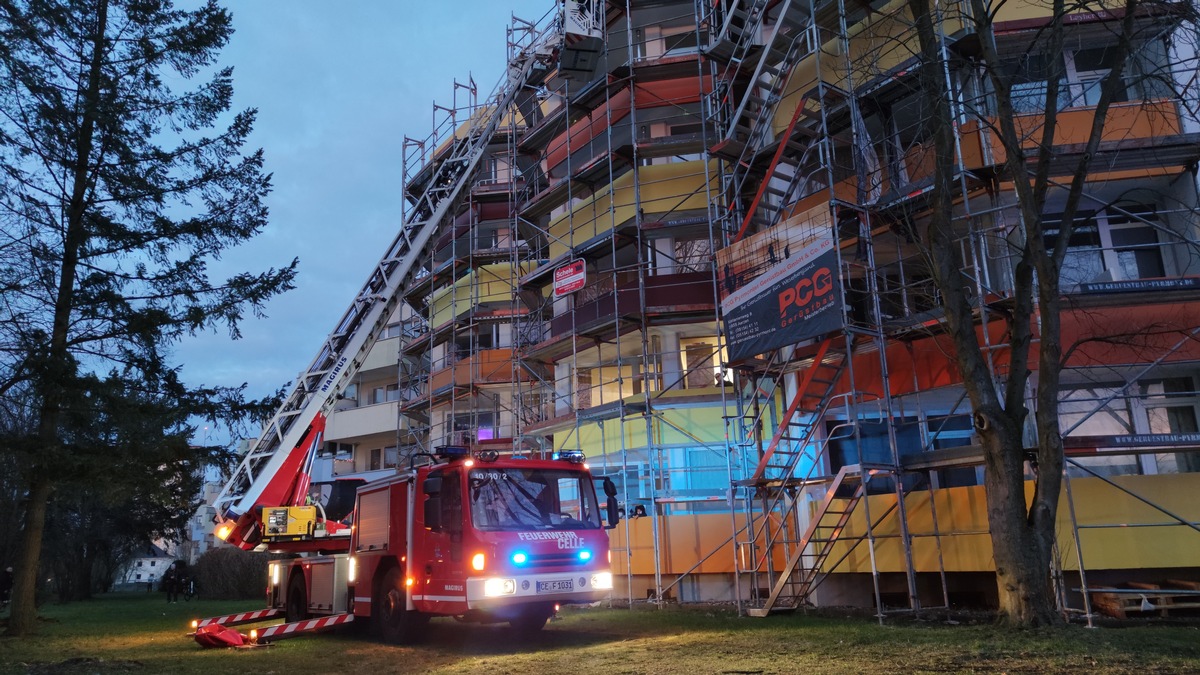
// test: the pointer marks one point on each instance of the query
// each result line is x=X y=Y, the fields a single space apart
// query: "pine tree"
x=122 y=175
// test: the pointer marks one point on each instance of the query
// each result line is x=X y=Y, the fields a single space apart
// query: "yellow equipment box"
x=289 y=523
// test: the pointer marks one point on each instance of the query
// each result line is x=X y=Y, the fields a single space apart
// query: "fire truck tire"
x=392 y=620
x=297 y=599
x=531 y=619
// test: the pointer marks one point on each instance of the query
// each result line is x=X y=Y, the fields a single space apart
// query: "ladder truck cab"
x=481 y=538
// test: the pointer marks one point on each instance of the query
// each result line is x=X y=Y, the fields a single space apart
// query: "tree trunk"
x=60 y=363
x=1021 y=546
x=23 y=614
x=84 y=575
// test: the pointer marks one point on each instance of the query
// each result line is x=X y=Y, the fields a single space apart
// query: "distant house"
x=148 y=567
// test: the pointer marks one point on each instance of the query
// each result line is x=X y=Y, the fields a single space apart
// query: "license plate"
x=555 y=586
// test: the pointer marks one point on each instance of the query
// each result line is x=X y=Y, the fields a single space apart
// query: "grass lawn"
x=134 y=633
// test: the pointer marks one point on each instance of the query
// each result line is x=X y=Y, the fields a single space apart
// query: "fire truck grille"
x=560 y=559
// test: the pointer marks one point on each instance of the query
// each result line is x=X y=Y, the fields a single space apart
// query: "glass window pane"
x=1111 y=419
x=1108 y=465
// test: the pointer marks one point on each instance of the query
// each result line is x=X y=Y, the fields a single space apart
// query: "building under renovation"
x=685 y=239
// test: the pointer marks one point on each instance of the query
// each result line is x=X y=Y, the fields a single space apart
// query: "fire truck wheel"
x=531 y=619
x=393 y=621
x=297 y=599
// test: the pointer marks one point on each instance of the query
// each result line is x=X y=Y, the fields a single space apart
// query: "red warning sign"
x=569 y=278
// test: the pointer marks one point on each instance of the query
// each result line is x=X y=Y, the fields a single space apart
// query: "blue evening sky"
x=337 y=85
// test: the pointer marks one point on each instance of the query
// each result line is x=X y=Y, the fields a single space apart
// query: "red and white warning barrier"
x=240 y=618
x=287 y=630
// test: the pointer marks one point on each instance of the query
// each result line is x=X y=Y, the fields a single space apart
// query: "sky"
x=337 y=85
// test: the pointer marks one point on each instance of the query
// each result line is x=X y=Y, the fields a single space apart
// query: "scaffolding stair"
x=814 y=395
x=739 y=20
x=751 y=120
x=268 y=470
x=798 y=577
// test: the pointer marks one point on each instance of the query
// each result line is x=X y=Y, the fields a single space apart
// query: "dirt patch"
x=84 y=666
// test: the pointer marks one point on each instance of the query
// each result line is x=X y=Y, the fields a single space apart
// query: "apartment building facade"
x=613 y=275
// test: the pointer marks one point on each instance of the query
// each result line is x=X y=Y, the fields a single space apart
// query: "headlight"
x=496 y=587
x=602 y=581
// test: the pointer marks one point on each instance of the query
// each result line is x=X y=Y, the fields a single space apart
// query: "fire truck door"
x=445 y=569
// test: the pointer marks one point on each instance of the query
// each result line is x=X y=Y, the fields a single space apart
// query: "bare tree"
x=1037 y=165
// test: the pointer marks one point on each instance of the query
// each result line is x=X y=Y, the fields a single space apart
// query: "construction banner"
x=797 y=299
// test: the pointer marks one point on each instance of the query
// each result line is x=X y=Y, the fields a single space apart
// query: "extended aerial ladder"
x=275 y=471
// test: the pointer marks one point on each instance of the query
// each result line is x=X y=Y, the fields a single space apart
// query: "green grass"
x=134 y=633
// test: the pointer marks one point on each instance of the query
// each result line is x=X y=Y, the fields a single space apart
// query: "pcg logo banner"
x=794 y=300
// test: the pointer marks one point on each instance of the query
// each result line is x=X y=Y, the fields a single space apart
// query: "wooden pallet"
x=1142 y=599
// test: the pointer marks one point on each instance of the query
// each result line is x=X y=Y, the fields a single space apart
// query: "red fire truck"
x=484 y=539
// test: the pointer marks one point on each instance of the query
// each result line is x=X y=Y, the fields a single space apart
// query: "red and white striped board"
x=287 y=630
x=241 y=617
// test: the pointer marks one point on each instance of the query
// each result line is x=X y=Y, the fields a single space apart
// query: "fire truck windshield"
x=532 y=499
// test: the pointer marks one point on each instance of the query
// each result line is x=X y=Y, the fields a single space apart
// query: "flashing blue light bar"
x=452 y=451
x=519 y=558
x=585 y=555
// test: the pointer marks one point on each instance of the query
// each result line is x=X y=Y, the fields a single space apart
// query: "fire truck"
x=478 y=537
x=473 y=535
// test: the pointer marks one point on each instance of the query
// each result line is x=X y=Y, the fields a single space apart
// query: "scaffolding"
x=659 y=164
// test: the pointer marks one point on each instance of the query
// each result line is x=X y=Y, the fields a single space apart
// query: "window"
x=671 y=41
x=467 y=428
x=1085 y=70
x=950 y=431
x=531 y=499
x=152 y=563
x=535 y=407
x=706 y=471
x=391 y=457
x=1173 y=407
x=1029 y=74
x=139 y=563
x=686 y=42
x=1081 y=72
x=452 y=504
x=1165 y=407
x=1120 y=243
x=139 y=575
x=376 y=459
x=873 y=444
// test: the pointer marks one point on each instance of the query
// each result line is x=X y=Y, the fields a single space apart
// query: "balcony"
x=587 y=138
x=363 y=421
x=488 y=366
x=487 y=287
x=664 y=189
x=1137 y=134
x=606 y=301
x=384 y=356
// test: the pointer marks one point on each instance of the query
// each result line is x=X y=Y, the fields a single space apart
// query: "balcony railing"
x=615 y=296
